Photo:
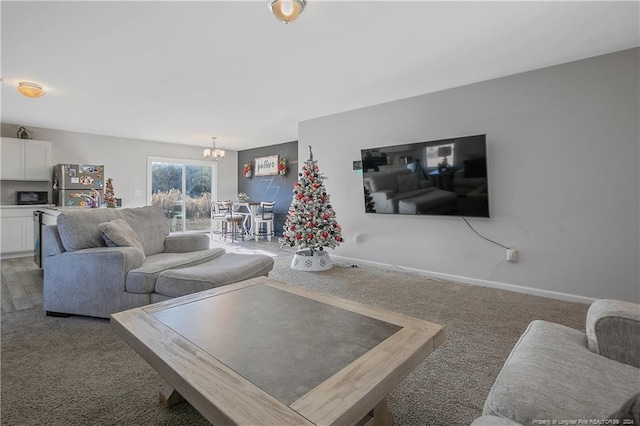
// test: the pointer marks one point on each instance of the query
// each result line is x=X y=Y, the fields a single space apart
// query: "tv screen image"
x=446 y=177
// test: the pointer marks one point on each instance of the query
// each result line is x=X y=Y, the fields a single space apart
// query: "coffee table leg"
x=169 y=396
x=381 y=414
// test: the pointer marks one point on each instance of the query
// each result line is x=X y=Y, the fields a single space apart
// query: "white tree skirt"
x=304 y=261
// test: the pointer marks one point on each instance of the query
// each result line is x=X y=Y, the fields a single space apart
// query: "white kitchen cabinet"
x=25 y=159
x=14 y=234
x=16 y=230
x=12 y=152
x=37 y=160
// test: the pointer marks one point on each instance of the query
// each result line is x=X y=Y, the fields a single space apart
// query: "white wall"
x=125 y=160
x=564 y=179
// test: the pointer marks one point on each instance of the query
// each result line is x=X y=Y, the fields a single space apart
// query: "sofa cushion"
x=436 y=201
x=79 y=228
x=118 y=233
x=150 y=225
x=182 y=243
x=226 y=269
x=551 y=374
x=397 y=197
x=143 y=279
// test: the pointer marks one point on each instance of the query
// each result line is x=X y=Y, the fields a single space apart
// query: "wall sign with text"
x=267 y=166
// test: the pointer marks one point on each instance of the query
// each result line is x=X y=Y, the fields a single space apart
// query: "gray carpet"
x=75 y=371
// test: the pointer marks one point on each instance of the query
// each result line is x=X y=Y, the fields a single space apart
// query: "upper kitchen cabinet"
x=25 y=159
x=37 y=160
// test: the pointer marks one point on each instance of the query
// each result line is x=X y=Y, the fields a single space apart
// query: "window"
x=433 y=159
x=183 y=189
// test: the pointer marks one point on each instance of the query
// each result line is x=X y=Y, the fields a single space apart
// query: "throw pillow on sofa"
x=118 y=233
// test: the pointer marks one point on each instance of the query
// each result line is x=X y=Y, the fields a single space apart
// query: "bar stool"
x=218 y=214
x=232 y=222
x=264 y=217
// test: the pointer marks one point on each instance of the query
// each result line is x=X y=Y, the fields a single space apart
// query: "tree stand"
x=305 y=260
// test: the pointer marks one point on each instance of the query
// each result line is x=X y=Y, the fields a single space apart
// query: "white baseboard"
x=15 y=255
x=475 y=281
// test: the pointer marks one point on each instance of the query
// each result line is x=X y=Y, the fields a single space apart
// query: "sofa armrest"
x=92 y=260
x=186 y=243
x=613 y=330
x=89 y=281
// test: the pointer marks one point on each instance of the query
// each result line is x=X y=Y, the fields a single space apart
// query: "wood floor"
x=21 y=284
x=21 y=279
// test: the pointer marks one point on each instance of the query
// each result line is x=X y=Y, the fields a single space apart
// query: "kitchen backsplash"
x=8 y=189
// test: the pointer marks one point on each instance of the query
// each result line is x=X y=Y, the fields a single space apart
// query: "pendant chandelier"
x=286 y=10
x=213 y=154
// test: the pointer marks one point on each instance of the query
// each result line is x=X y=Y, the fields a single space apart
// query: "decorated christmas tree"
x=109 y=196
x=311 y=221
x=369 y=204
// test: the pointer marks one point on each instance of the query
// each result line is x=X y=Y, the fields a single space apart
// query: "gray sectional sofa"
x=100 y=261
x=404 y=192
x=388 y=188
x=556 y=373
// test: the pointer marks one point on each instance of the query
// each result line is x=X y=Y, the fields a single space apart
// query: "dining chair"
x=218 y=214
x=264 y=218
x=233 y=222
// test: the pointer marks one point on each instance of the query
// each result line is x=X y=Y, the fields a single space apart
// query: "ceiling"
x=182 y=72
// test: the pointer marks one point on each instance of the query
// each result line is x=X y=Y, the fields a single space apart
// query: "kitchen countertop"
x=56 y=210
x=27 y=206
x=51 y=209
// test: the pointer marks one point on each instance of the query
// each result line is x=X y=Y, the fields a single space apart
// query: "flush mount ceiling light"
x=30 y=90
x=213 y=153
x=286 y=10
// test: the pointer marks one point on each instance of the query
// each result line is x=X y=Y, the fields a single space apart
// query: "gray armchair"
x=558 y=373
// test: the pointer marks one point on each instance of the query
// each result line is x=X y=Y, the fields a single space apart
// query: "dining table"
x=249 y=209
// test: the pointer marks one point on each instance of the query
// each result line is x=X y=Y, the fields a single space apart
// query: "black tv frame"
x=418 y=182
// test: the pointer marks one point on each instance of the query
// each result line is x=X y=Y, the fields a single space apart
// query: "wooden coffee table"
x=261 y=352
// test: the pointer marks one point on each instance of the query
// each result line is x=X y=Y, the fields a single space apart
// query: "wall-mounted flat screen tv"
x=445 y=177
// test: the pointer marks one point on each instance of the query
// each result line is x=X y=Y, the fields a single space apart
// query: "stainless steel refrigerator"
x=78 y=185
